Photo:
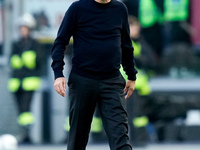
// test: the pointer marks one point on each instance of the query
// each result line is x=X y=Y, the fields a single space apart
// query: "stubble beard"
x=103 y=1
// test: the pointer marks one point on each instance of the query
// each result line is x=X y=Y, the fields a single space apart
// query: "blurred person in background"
x=25 y=62
x=145 y=60
x=150 y=17
x=145 y=56
x=102 y=41
x=179 y=55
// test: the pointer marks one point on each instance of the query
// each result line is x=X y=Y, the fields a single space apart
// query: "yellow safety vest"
x=96 y=125
x=28 y=84
x=67 y=125
x=28 y=60
x=148 y=13
x=26 y=118
x=142 y=82
x=139 y=122
x=137 y=49
x=176 y=10
x=16 y=62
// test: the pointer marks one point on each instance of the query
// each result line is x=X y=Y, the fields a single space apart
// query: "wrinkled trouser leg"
x=84 y=93
x=112 y=106
x=83 y=97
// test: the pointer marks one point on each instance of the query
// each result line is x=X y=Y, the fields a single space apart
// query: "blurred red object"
x=195 y=20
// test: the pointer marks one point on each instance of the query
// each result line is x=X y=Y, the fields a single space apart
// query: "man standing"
x=102 y=42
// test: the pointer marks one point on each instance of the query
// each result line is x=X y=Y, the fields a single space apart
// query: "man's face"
x=134 y=30
x=24 y=31
x=103 y=1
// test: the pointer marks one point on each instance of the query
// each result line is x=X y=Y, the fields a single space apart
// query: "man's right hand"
x=60 y=86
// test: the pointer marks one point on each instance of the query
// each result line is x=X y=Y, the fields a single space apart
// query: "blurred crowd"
x=167 y=30
x=162 y=34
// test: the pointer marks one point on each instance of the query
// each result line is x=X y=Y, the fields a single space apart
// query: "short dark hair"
x=133 y=20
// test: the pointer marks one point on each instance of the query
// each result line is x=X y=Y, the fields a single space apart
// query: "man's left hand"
x=130 y=87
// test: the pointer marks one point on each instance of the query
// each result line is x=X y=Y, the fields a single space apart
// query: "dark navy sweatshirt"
x=101 y=40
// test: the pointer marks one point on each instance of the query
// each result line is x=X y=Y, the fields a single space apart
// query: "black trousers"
x=23 y=99
x=84 y=94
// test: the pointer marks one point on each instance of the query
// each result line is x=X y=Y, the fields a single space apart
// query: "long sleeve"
x=128 y=62
x=65 y=32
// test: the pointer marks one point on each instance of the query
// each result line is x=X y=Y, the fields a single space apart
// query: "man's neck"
x=102 y=1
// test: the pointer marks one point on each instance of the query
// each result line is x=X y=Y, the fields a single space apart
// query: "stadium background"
x=173 y=105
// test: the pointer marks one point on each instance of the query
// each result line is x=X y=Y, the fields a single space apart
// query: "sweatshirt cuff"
x=58 y=74
x=132 y=76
